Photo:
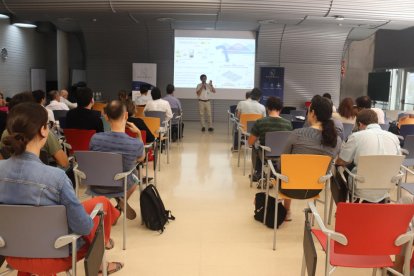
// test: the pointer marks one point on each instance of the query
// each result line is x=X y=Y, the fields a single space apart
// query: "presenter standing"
x=203 y=91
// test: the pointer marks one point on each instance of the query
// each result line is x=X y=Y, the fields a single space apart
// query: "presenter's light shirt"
x=205 y=93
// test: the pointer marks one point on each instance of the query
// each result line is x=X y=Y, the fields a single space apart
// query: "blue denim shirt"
x=25 y=180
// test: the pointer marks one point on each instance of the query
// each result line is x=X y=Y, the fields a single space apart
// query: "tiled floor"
x=214 y=233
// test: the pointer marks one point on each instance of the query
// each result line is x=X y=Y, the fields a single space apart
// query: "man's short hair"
x=327 y=95
x=39 y=95
x=203 y=76
x=85 y=96
x=115 y=109
x=367 y=117
x=143 y=89
x=156 y=93
x=256 y=94
x=170 y=89
x=22 y=97
x=53 y=94
x=363 y=102
x=274 y=103
x=248 y=94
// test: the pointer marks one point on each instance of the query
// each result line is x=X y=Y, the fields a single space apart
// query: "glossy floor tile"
x=214 y=232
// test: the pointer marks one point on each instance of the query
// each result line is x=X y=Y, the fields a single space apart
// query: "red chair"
x=366 y=235
x=134 y=135
x=78 y=139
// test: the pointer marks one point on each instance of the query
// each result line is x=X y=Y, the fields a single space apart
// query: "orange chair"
x=139 y=111
x=299 y=172
x=78 y=139
x=366 y=236
x=99 y=107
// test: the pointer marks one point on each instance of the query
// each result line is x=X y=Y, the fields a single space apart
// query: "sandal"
x=111 y=244
x=118 y=267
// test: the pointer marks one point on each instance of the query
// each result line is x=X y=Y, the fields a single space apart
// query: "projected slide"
x=229 y=63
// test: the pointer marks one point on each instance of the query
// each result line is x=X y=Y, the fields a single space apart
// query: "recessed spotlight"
x=165 y=19
x=3 y=16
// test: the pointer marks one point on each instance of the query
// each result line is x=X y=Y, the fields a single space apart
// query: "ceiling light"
x=339 y=17
x=3 y=16
x=165 y=19
x=25 y=25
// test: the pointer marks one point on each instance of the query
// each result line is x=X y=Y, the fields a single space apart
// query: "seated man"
x=249 y=106
x=118 y=141
x=40 y=97
x=55 y=103
x=83 y=117
x=271 y=123
x=174 y=103
x=158 y=104
x=52 y=145
x=144 y=98
x=364 y=102
x=64 y=99
x=369 y=140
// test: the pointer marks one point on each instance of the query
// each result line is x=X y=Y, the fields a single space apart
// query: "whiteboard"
x=38 y=79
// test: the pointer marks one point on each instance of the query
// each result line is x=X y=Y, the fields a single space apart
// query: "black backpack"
x=153 y=212
x=259 y=203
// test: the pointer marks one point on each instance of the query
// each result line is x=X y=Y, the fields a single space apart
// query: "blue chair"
x=297 y=124
x=295 y=113
x=406 y=130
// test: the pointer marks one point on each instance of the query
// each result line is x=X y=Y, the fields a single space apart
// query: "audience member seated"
x=3 y=113
x=123 y=95
x=83 y=117
x=118 y=141
x=25 y=180
x=364 y=102
x=40 y=98
x=52 y=145
x=369 y=140
x=248 y=106
x=138 y=122
x=55 y=103
x=319 y=138
x=174 y=103
x=267 y=124
x=64 y=99
x=158 y=104
x=144 y=98
x=329 y=97
x=346 y=113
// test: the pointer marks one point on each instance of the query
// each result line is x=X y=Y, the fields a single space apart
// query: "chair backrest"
x=156 y=114
x=153 y=124
x=100 y=168
x=60 y=114
x=378 y=171
x=232 y=109
x=286 y=116
x=276 y=141
x=297 y=124
x=134 y=135
x=139 y=110
x=99 y=107
x=31 y=231
x=385 y=126
x=244 y=118
x=62 y=122
x=409 y=145
x=250 y=125
x=78 y=138
x=347 y=130
x=371 y=229
x=406 y=130
x=406 y=121
x=295 y=113
x=176 y=112
x=304 y=170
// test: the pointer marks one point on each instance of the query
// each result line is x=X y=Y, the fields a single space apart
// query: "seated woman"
x=138 y=122
x=346 y=113
x=320 y=138
x=25 y=180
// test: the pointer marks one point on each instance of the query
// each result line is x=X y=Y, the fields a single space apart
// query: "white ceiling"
x=362 y=17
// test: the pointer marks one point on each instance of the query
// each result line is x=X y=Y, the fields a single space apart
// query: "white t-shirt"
x=380 y=115
x=143 y=99
x=205 y=93
x=160 y=105
x=250 y=106
x=55 y=105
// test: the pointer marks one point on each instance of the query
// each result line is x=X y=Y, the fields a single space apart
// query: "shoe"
x=118 y=267
x=288 y=216
x=130 y=213
x=111 y=244
x=203 y=129
x=210 y=129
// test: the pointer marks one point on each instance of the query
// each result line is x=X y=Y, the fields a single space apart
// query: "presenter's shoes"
x=210 y=129
x=203 y=129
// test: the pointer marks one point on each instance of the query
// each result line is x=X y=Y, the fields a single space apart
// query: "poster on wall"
x=271 y=82
x=143 y=74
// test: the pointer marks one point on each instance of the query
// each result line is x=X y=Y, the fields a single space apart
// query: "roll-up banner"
x=272 y=82
x=143 y=74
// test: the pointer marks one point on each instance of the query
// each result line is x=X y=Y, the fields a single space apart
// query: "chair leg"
x=374 y=272
x=251 y=176
x=238 y=154
x=330 y=210
x=244 y=157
